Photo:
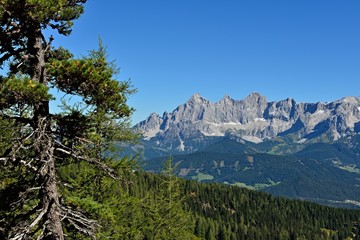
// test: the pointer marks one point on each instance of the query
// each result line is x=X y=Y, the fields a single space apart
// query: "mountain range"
x=301 y=150
x=252 y=119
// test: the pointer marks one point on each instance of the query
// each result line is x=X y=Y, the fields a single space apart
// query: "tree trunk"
x=50 y=199
x=44 y=143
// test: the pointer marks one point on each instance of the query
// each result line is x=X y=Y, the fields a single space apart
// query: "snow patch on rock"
x=150 y=134
x=181 y=146
x=252 y=139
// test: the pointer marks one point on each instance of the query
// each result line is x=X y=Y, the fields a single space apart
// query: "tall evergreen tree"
x=41 y=141
x=169 y=220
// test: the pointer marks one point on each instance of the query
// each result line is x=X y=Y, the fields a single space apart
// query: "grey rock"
x=251 y=119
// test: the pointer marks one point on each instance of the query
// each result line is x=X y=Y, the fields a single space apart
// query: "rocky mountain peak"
x=153 y=115
x=226 y=99
x=151 y=125
x=351 y=100
x=196 y=98
x=255 y=96
x=252 y=119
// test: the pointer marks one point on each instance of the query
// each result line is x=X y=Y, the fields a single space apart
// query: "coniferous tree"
x=169 y=220
x=41 y=141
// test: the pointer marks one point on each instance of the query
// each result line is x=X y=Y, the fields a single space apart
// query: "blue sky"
x=171 y=49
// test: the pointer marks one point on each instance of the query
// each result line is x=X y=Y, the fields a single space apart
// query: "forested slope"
x=229 y=212
x=143 y=205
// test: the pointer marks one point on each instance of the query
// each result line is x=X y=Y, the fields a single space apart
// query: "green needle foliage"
x=91 y=78
x=60 y=173
x=168 y=220
x=37 y=145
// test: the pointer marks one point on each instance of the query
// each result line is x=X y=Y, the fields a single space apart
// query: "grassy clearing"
x=350 y=168
x=257 y=186
x=202 y=176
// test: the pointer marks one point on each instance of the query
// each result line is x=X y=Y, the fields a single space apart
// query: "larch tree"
x=168 y=218
x=34 y=141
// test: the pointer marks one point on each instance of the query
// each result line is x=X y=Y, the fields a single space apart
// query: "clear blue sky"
x=171 y=49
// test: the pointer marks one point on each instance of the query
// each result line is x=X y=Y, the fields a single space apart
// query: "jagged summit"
x=226 y=99
x=197 y=98
x=253 y=119
x=353 y=100
x=255 y=95
x=153 y=114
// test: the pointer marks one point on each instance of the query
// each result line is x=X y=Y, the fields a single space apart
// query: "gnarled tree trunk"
x=44 y=146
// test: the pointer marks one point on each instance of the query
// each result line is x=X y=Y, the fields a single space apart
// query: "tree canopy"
x=35 y=142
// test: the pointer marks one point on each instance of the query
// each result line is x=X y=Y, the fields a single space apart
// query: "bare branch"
x=25 y=232
x=37 y=219
x=22 y=232
x=12 y=31
x=79 y=221
x=28 y=165
x=23 y=197
x=47 y=44
x=18 y=236
x=95 y=162
x=84 y=140
x=41 y=234
x=81 y=229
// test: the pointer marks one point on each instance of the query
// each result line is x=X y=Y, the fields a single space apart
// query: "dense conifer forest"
x=229 y=212
x=160 y=206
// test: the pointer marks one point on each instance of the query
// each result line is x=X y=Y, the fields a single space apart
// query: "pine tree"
x=41 y=141
x=169 y=220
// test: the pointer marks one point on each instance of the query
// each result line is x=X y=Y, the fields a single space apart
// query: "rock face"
x=252 y=119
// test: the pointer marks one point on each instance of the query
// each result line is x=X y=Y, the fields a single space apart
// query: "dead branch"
x=79 y=221
x=95 y=162
x=23 y=197
x=37 y=219
x=23 y=234
x=84 y=140
x=47 y=44
x=28 y=165
x=41 y=233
